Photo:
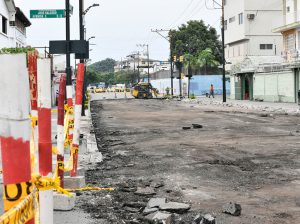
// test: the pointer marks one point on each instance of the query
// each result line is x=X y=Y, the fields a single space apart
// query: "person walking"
x=212 y=91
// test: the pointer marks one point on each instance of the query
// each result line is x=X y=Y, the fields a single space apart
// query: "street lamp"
x=146 y=45
x=88 y=8
x=82 y=29
x=92 y=37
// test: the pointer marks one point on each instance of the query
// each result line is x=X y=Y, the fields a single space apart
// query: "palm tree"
x=190 y=61
x=206 y=59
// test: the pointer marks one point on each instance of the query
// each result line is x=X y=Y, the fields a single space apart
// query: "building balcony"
x=287 y=27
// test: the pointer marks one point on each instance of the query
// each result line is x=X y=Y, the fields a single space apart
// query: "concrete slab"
x=63 y=202
x=74 y=182
x=80 y=172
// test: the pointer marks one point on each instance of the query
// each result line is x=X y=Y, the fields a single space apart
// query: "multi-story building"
x=290 y=30
x=141 y=64
x=13 y=25
x=250 y=41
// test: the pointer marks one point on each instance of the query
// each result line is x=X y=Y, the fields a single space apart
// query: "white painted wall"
x=290 y=16
x=234 y=31
x=232 y=87
x=274 y=87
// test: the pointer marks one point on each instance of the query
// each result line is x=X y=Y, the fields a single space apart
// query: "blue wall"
x=200 y=84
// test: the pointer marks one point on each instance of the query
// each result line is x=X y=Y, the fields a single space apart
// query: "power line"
x=184 y=11
x=193 y=12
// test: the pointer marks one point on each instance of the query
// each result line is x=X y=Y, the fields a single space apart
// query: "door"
x=248 y=87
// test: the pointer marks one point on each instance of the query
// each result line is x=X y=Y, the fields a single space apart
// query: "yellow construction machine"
x=144 y=90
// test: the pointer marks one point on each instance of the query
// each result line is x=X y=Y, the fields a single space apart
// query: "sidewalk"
x=268 y=107
x=88 y=153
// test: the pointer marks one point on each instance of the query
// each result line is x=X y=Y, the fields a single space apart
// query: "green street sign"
x=47 y=14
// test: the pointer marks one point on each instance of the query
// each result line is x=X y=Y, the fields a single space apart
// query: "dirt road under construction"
x=247 y=157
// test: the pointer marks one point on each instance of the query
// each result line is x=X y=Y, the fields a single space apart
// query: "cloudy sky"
x=119 y=25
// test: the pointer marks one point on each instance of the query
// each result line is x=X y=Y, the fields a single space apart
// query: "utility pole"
x=146 y=45
x=171 y=54
x=223 y=52
x=148 y=63
x=138 y=66
x=221 y=6
x=81 y=34
x=68 y=59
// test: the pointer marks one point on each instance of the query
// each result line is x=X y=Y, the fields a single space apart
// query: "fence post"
x=60 y=128
x=32 y=70
x=45 y=143
x=78 y=107
x=15 y=129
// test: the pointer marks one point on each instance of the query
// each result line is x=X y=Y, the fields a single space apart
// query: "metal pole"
x=138 y=67
x=223 y=53
x=68 y=59
x=148 y=63
x=180 y=81
x=172 y=70
x=81 y=34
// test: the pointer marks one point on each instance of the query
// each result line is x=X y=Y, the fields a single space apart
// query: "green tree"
x=91 y=76
x=193 y=38
x=206 y=59
x=104 y=66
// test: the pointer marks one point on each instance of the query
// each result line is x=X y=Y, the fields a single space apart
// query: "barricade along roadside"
x=15 y=129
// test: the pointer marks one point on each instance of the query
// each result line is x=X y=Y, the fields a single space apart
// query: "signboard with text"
x=47 y=13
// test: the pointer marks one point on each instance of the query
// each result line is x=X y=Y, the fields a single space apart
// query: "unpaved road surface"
x=245 y=157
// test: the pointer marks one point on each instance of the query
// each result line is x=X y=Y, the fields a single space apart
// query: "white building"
x=141 y=64
x=290 y=29
x=250 y=41
x=13 y=25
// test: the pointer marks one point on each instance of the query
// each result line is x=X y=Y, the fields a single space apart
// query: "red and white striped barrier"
x=45 y=143
x=78 y=107
x=15 y=129
x=32 y=71
x=71 y=116
x=60 y=128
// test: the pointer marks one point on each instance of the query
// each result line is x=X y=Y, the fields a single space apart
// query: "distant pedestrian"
x=212 y=91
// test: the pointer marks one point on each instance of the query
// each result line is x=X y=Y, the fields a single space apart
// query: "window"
x=232 y=19
x=241 y=18
x=288 y=9
x=4 y=25
x=289 y=41
x=225 y=25
x=266 y=46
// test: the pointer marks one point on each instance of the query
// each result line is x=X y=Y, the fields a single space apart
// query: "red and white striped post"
x=32 y=71
x=78 y=107
x=15 y=129
x=70 y=105
x=45 y=143
x=60 y=128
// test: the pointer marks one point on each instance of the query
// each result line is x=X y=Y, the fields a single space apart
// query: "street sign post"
x=47 y=13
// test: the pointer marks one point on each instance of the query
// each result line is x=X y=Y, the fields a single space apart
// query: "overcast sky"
x=119 y=25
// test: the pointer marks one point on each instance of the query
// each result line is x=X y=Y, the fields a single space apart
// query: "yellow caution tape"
x=47 y=183
x=22 y=212
x=70 y=163
x=54 y=150
x=34 y=121
x=14 y=193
